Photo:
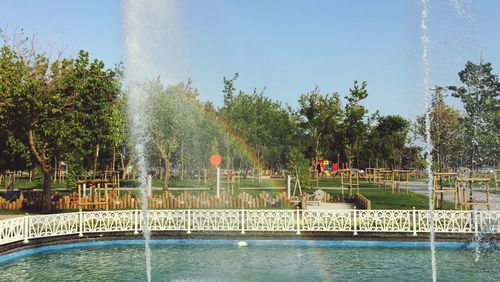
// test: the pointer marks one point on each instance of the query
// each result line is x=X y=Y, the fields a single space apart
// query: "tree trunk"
x=41 y=160
x=122 y=164
x=166 y=175
x=46 y=199
x=114 y=160
x=316 y=150
x=96 y=156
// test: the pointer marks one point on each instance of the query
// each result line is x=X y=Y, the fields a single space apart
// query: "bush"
x=129 y=183
x=71 y=181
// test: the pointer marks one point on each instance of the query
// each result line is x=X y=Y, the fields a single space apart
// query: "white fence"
x=377 y=221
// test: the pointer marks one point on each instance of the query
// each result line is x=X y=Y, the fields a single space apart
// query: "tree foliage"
x=444 y=131
x=480 y=98
x=52 y=109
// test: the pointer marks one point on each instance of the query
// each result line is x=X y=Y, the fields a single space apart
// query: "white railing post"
x=414 y=215
x=26 y=223
x=355 y=222
x=298 y=221
x=136 y=221
x=189 y=221
x=80 y=219
x=288 y=186
x=242 y=220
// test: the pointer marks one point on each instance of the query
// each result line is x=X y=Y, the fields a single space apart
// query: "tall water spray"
x=428 y=142
x=136 y=100
x=153 y=49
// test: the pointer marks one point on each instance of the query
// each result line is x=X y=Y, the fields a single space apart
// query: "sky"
x=283 y=47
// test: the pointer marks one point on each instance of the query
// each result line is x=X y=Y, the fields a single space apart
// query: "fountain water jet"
x=152 y=47
x=428 y=143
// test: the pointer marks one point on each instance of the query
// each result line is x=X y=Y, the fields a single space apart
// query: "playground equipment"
x=467 y=186
x=323 y=168
x=384 y=177
x=257 y=174
x=93 y=194
x=232 y=180
x=295 y=196
x=375 y=176
x=369 y=174
x=8 y=179
x=400 y=177
x=59 y=172
x=349 y=178
x=444 y=182
x=112 y=179
x=314 y=198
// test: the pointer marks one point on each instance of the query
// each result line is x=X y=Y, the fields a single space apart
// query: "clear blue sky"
x=286 y=46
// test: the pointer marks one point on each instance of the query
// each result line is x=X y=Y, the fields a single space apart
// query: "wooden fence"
x=362 y=202
x=167 y=200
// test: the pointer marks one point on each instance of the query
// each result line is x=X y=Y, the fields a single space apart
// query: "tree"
x=173 y=124
x=354 y=127
x=389 y=138
x=263 y=126
x=163 y=123
x=444 y=130
x=228 y=92
x=45 y=106
x=259 y=124
x=480 y=98
x=320 y=118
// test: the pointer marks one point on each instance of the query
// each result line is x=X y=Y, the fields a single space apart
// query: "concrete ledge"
x=249 y=235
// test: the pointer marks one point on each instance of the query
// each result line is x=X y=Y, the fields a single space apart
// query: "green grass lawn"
x=384 y=199
x=22 y=183
x=496 y=192
x=9 y=212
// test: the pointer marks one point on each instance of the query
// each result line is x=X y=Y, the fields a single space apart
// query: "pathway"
x=331 y=206
x=421 y=188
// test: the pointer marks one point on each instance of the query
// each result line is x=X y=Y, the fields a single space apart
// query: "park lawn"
x=495 y=191
x=12 y=212
x=22 y=212
x=195 y=183
x=21 y=183
x=384 y=199
x=337 y=183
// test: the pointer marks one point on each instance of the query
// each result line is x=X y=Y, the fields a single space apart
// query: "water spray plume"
x=428 y=142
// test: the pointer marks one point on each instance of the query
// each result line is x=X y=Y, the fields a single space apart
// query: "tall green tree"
x=174 y=126
x=163 y=125
x=320 y=118
x=480 y=98
x=261 y=124
x=354 y=125
x=389 y=139
x=444 y=129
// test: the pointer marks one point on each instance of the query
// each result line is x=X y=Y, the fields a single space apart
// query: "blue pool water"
x=261 y=260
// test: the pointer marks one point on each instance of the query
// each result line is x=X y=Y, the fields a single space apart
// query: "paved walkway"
x=421 y=188
x=331 y=206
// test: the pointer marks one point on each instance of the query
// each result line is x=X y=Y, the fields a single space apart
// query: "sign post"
x=215 y=160
x=218 y=182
